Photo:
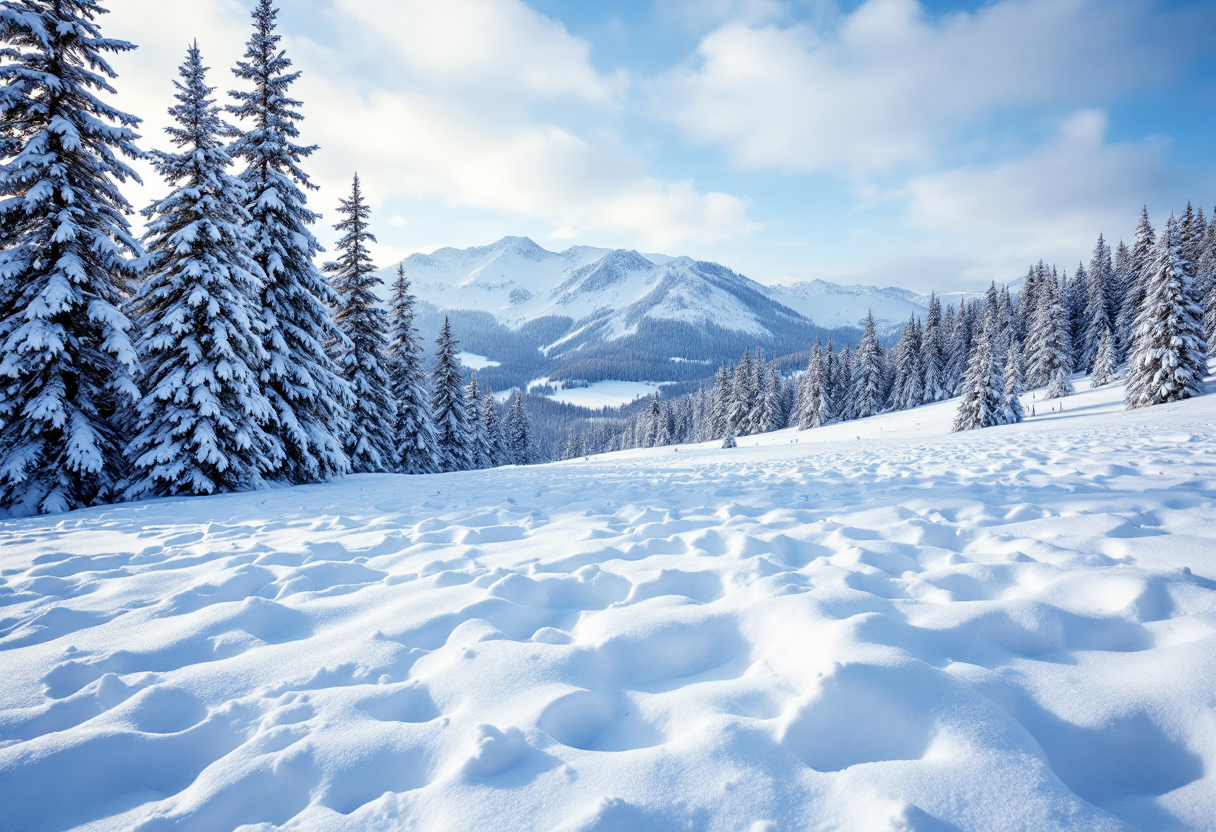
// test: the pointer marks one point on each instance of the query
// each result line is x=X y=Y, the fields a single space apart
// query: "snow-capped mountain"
x=833 y=305
x=608 y=293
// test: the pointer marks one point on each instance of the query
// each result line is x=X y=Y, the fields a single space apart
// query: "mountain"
x=590 y=314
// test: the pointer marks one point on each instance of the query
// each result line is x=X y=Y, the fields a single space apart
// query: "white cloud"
x=889 y=84
x=1049 y=203
x=434 y=101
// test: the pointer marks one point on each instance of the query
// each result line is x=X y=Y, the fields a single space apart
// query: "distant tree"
x=907 y=389
x=478 y=438
x=721 y=399
x=933 y=358
x=868 y=390
x=813 y=392
x=1049 y=345
x=518 y=431
x=414 y=429
x=493 y=431
x=1133 y=298
x=743 y=396
x=1104 y=362
x=1012 y=411
x=983 y=402
x=1100 y=308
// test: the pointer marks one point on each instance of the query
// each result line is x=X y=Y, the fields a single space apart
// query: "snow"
x=475 y=362
x=598 y=394
x=871 y=626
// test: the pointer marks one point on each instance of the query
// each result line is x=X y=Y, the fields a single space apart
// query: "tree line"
x=212 y=354
x=1146 y=314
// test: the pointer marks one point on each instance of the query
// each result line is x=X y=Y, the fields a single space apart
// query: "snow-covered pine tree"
x=982 y=402
x=1100 y=309
x=1060 y=384
x=771 y=411
x=729 y=441
x=1205 y=283
x=201 y=425
x=829 y=405
x=1119 y=283
x=1012 y=411
x=756 y=416
x=720 y=403
x=1168 y=361
x=743 y=396
x=869 y=393
x=812 y=391
x=935 y=385
x=1028 y=300
x=490 y=426
x=842 y=375
x=447 y=405
x=66 y=361
x=311 y=399
x=574 y=447
x=1104 y=361
x=518 y=432
x=1133 y=297
x=414 y=429
x=653 y=431
x=1048 y=341
x=479 y=440
x=907 y=390
x=369 y=443
x=959 y=347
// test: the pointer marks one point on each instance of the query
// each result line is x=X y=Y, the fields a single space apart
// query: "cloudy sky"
x=931 y=144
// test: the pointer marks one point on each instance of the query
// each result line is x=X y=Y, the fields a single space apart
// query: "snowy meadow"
x=878 y=626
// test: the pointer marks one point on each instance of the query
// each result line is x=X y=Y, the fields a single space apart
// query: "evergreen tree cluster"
x=212 y=355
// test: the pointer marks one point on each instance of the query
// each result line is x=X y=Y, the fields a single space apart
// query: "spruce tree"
x=720 y=403
x=1015 y=373
x=1104 y=362
x=479 y=439
x=772 y=409
x=414 y=429
x=1060 y=384
x=201 y=425
x=1138 y=275
x=812 y=391
x=1168 y=361
x=959 y=347
x=743 y=396
x=370 y=443
x=66 y=361
x=447 y=405
x=868 y=392
x=1099 y=305
x=492 y=429
x=1049 y=345
x=935 y=385
x=982 y=403
x=829 y=411
x=311 y=399
x=907 y=390
x=518 y=431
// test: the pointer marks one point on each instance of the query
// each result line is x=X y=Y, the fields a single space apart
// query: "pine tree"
x=868 y=390
x=907 y=390
x=933 y=354
x=310 y=398
x=729 y=441
x=490 y=426
x=1168 y=361
x=1205 y=283
x=829 y=411
x=1104 y=362
x=960 y=347
x=370 y=442
x=1100 y=310
x=1015 y=372
x=201 y=423
x=982 y=403
x=1133 y=298
x=842 y=375
x=447 y=405
x=813 y=392
x=66 y=361
x=743 y=396
x=1060 y=384
x=518 y=432
x=772 y=411
x=720 y=404
x=1050 y=347
x=479 y=439
x=414 y=428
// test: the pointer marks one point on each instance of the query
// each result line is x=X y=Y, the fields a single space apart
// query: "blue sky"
x=934 y=144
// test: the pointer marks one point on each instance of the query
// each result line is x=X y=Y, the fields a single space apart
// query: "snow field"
x=1006 y=629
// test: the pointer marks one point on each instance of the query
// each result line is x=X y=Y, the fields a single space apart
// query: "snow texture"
x=1012 y=628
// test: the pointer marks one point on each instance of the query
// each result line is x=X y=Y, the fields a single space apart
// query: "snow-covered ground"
x=1009 y=629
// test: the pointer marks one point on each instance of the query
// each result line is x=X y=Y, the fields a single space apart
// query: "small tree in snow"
x=982 y=403
x=447 y=405
x=1060 y=385
x=1104 y=362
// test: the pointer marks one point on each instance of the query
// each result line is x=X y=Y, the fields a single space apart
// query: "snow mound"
x=1011 y=628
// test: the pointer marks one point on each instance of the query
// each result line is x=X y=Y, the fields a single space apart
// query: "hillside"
x=872 y=626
